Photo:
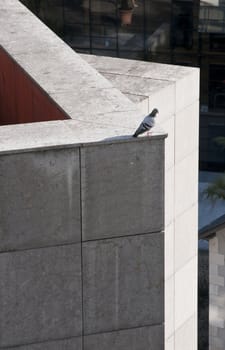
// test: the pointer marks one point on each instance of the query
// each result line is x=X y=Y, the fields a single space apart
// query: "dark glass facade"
x=185 y=32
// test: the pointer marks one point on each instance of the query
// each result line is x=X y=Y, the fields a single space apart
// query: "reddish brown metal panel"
x=43 y=108
x=21 y=99
x=58 y=113
x=7 y=90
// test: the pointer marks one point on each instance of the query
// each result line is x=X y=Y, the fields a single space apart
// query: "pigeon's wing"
x=149 y=120
x=141 y=129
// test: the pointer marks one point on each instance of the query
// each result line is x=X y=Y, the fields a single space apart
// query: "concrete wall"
x=82 y=247
x=82 y=203
x=217 y=291
x=175 y=92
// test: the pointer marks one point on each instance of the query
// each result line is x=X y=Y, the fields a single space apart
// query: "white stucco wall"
x=181 y=198
x=178 y=102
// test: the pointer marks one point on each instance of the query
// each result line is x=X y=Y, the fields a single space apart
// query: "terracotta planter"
x=126 y=16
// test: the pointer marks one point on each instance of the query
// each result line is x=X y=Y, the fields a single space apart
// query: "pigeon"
x=147 y=123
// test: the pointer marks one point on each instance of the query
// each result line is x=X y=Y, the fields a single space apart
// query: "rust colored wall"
x=21 y=99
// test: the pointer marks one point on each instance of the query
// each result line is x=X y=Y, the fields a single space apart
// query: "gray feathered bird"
x=147 y=123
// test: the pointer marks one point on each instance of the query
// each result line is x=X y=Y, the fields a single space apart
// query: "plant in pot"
x=126 y=11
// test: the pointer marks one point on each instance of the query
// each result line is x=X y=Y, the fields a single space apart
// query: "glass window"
x=217 y=87
x=103 y=11
x=132 y=55
x=182 y=24
x=158 y=25
x=217 y=42
x=159 y=57
x=103 y=42
x=186 y=60
x=77 y=35
x=76 y=11
x=109 y=53
x=212 y=16
x=130 y=41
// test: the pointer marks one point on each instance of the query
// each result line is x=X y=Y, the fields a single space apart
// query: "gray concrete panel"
x=67 y=344
x=122 y=188
x=123 y=282
x=40 y=295
x=145 y=338
x=40 y=199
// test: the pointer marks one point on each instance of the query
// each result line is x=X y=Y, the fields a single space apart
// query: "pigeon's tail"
x=135 y=135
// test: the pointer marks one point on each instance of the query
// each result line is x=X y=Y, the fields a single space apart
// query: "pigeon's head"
x=154 y=112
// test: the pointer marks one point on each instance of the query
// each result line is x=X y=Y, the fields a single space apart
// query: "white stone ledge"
x=60 y=134
x=159 y=71
x=127 y=74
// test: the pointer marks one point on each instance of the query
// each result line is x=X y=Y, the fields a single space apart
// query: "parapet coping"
x=33 y=137
x=140 y=69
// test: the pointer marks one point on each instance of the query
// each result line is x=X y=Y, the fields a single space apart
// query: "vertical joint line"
x=81 y=253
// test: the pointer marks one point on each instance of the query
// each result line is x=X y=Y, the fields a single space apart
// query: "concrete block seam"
x=20 y=346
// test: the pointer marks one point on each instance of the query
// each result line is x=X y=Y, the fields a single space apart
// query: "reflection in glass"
x=182 y=24
x=217 y=87
x=76 y=11
x=217 y=42
x=158 y=18
x=211 y=17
